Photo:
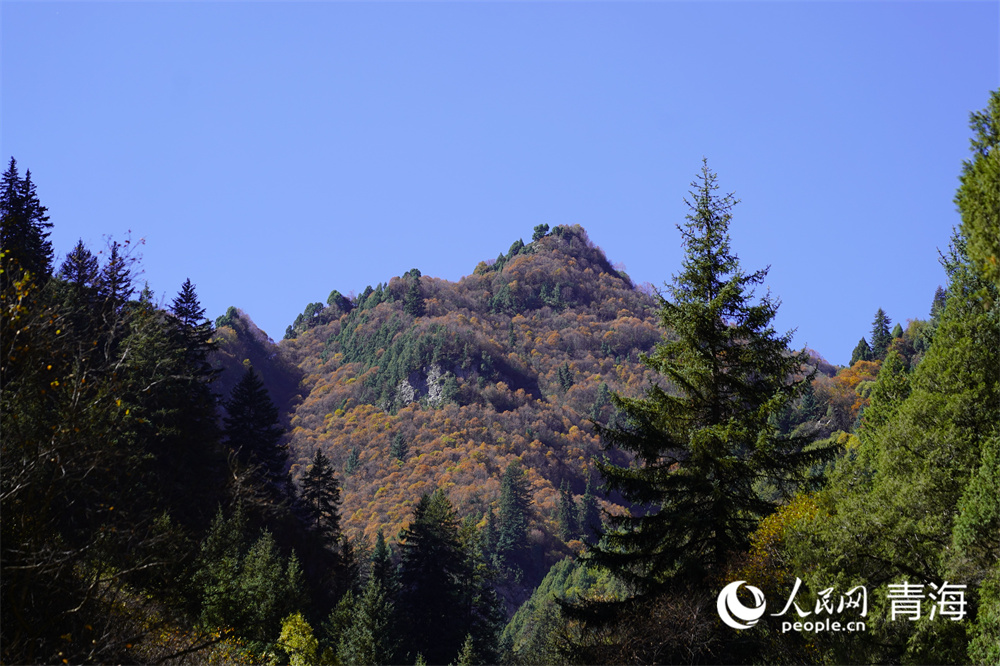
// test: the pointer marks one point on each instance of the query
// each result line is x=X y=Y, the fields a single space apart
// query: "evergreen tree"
x=432 y=568
x=568 y=528
x=80 y=268
x=381 y=564
x=353 y=461
x=978 y=198
x=540 y=232
x=252 y=429
x=897 y=331
x=399 y=449
x=370 y=638
x=413 y=301
x=701 y=451
x=514 y=514
x=24 y=226
x=321 y=497
x=862 y=352
x=589 y=519
x=881 y=337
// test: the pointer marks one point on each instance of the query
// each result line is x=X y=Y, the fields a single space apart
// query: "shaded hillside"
x=422 y=383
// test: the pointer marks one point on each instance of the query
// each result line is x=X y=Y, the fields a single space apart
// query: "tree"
x=978 y=198
x=413 y=301
x=589 y=519
x=514 y=514
x=702 y=448
x=370 y=638
x=24 y=226
x=568 y=527
x=80 y=268
x=881 y=337
x=252 y=429
x=321 y=497
x=432 y=568
x=399 y=449
x=862 y=352
x=540 y=232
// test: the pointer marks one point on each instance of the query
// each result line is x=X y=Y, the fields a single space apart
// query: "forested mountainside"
x=389 y=482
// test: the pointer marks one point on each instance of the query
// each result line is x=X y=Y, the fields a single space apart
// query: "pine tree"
x=252 y=429
x=978 y=198
x=413 y=301
x=370 y=638
x=568 y=510
x=881 y=337
x=115 y=279
x=399 y=449
x=862 y=352
x=80 y=268
x=514 y=514
x=589 y=519
x=432 y=568
x=353 y=461
x=701 y=449
x=24 y=226
x=321 y=497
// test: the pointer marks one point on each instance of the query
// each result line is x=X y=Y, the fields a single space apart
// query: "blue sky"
x=274 y=151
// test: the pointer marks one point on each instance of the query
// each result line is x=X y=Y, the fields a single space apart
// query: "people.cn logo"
x=734 y=613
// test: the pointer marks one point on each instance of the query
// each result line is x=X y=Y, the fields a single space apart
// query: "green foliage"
x=252 y=429
x=862 y=352
x=701 y=451
x=540 y=231
x=353 y=461
x=370 y=638
x=399 y=448
x=978 y=198
x=413 y=302
x=24 y=228
x=928 y=445
x=513 y=518
x=881 y=337
x=431 y=568
x=248 y=589
x=321 y=497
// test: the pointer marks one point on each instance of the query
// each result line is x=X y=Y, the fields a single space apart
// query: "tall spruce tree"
x=431 y=571
x=252 y=429
x=24 y=226
x=514 y=514
x=704 y=444
x=321 y=497
x=881 y=337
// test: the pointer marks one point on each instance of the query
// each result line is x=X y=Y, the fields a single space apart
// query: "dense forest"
x=540 y=463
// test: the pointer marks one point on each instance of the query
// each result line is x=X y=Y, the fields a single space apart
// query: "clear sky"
x=274 y=151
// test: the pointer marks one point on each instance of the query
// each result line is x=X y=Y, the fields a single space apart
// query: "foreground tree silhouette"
x=705 y=444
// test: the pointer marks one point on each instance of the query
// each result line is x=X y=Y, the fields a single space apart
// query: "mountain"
x=421 y=383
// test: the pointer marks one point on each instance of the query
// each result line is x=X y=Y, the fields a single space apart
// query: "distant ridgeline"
x=420 y=383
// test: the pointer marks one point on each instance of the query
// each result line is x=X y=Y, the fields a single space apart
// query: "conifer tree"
x=862 y=352
x=514 y=514
x=252 y=428
x=413 y=301
x=321 y=497
x=431 y=571
x=881 y=337
x=589 y=519
x=80 y=268
x=399 y=449
x=568 y=527
x=702 y=446
x=24 y=226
